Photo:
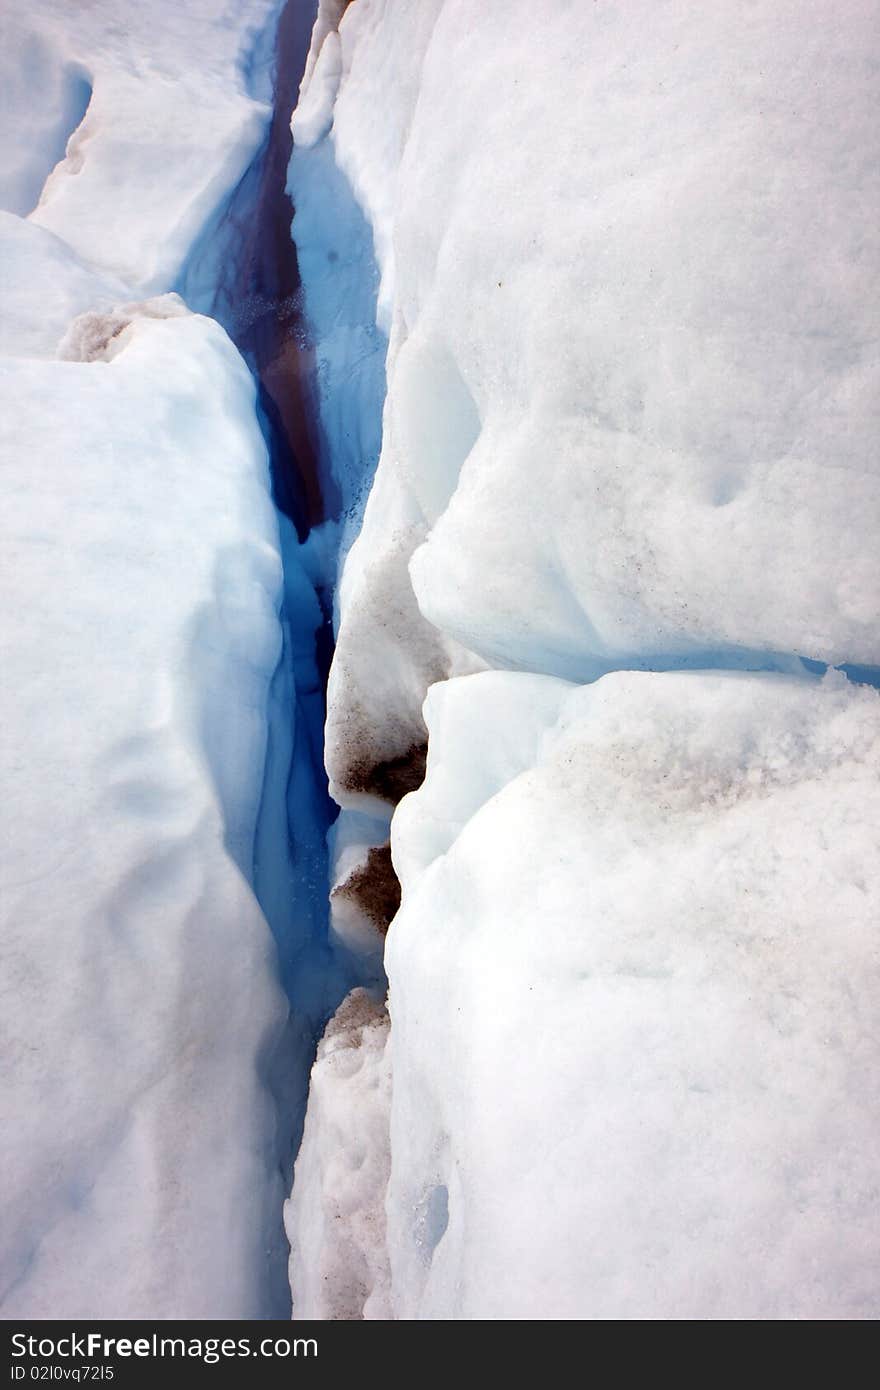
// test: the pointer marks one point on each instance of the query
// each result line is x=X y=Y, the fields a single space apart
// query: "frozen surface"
x=631 y=413
x=142 y=1014
x=336 y=1216
x=43 y=285
x=125 y=125
x=334 y=249
x=139 y=637
x=632 y=386
x=632 y=1004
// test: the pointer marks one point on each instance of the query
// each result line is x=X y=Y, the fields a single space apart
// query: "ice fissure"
x=245 y=272
x=286 y=265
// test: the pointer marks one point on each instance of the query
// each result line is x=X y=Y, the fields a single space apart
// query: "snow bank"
x=142 y=1011
x=126 y=125
x=632 y=1004
x=336 y=1218
x=139 y=636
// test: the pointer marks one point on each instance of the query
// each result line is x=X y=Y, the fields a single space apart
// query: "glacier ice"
x=163 y=138
x=140 y=633
x=336 y=1215
x=631 y=1002
x=645 y=283
x=143 y=1015
x=628 y=465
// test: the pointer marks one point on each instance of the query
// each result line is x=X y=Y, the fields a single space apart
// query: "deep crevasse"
x=629 y=430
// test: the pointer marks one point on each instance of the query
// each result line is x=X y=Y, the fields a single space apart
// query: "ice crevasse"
x=622 y=530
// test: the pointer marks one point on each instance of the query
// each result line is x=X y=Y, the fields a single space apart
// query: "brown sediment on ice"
x=358 y=1011
x=392 y=779
x=374 y=888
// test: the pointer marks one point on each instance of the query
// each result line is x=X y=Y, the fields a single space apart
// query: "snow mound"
x=335 y=1218
x=139 y=637
x=632 y=990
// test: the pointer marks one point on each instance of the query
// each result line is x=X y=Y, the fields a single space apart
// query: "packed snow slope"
x=629 y=463
x=125 y=124
x=140 y=631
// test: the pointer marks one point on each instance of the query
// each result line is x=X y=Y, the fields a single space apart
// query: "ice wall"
x=143 y=1015
x=629 y=427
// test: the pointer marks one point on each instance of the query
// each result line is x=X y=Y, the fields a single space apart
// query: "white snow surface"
x=632 y=378
x=633 y=1003
x=125 y=124
x=140 y=631
x=139 y=636
x=625 y=252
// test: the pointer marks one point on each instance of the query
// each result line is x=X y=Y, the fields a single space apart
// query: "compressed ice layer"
x=335 y=1218
x=140 y=633
x=632 y=993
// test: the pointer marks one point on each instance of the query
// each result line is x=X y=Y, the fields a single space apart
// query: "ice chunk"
x=463 y=773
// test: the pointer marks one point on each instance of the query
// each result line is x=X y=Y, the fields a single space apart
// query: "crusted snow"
x=628 y=268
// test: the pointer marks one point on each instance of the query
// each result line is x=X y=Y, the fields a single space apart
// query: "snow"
x=142 y=1013
x=637 y=303
x=32 y=324
x=631 y=1004
x=119 y=141
x=139 y=637
x=336 y=1216
x=352 y=837
x=314 y=114
x=627 y=465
